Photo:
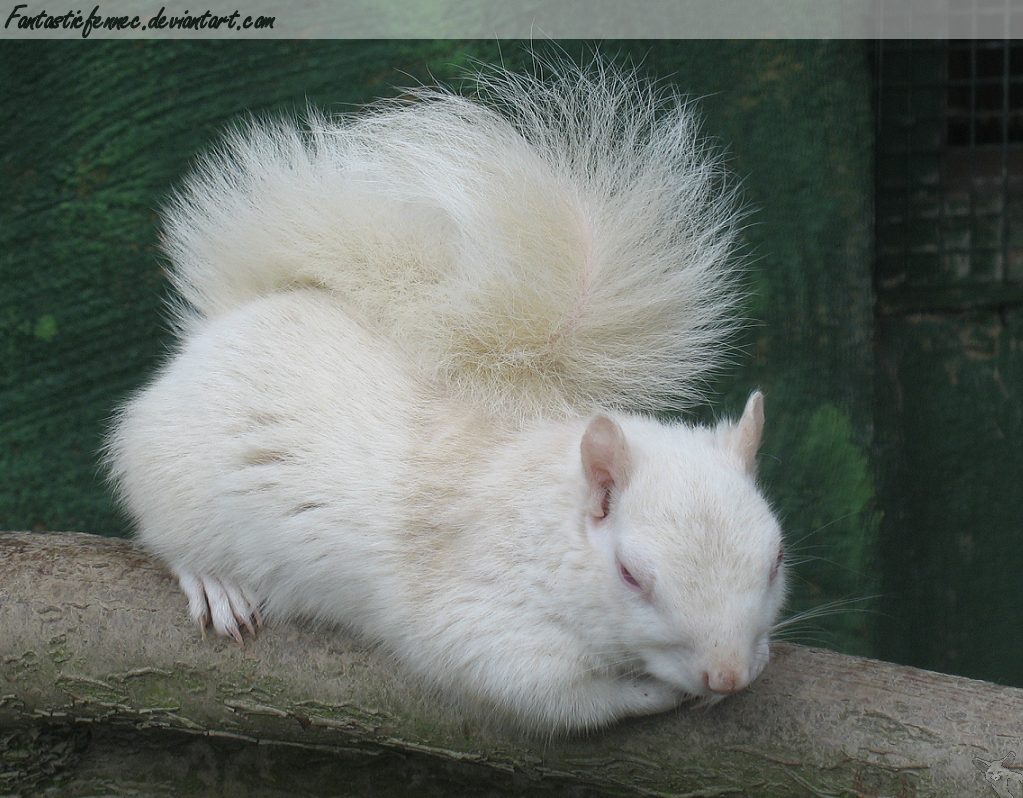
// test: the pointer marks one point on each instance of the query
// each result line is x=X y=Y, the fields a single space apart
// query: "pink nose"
x=724 y=681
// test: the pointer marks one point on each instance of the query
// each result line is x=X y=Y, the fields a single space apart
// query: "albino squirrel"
x=414 y=347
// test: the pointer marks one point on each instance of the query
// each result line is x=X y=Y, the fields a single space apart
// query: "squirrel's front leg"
x=218 y=603
x=648 y=696
x=603 y=701
x=565 y=698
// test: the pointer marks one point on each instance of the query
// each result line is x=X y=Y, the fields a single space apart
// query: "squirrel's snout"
x=725 y=681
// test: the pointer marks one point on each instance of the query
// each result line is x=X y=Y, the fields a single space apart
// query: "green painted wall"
x=951 y=425
x=97 y=134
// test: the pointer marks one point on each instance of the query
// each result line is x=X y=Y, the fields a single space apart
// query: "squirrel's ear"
x=743 y=439
x=606 y=463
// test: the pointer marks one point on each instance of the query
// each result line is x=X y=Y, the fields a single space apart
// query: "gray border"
x=537 y=19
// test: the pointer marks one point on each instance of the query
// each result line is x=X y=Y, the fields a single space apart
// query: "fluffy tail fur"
x=561 y=244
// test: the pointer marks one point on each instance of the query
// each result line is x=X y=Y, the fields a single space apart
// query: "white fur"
x=319 y=447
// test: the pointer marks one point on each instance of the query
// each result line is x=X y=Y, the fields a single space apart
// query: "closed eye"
x=632 y=582
x=777 y=563
x=628 y=577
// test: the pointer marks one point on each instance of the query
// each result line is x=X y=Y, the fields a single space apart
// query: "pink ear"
x=744 y=438
x=606 y=462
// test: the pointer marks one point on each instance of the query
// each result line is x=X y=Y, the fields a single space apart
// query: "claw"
x=220 y=604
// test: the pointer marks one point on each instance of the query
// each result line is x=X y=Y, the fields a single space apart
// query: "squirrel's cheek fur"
x=413 y=343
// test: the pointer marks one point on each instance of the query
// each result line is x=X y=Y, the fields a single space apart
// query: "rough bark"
x=94 y=632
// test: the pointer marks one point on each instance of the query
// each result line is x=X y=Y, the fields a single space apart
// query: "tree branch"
x=93 y=630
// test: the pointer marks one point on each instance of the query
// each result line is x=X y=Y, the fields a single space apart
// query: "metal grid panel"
x=949 y=208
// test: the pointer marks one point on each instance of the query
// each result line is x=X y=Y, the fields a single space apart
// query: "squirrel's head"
x=689 y=549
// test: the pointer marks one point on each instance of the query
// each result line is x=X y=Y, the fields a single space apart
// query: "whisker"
x=804 y=637
x=836 y=607
x=821 y=528
x=809 y=558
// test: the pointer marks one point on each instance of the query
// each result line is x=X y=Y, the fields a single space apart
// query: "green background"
x=891 y=447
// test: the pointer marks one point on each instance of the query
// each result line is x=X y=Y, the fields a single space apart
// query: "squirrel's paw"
x=648 y=696
x=220 y=604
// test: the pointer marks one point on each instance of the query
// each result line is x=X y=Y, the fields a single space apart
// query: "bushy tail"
x=562 y=244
